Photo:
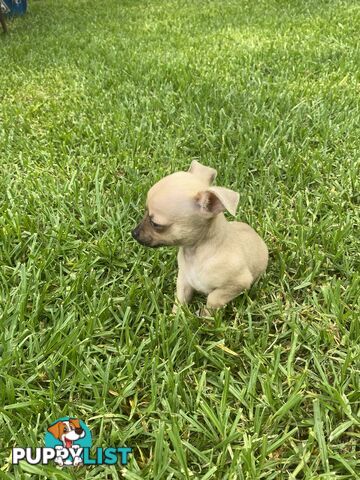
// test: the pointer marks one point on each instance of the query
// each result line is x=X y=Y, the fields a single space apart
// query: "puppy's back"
x=252 y=247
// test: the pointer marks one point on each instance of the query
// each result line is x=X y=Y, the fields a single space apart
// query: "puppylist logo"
x=67 y=442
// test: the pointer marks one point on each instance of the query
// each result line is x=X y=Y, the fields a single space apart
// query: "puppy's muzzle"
x=139 y=237
x=136 y=233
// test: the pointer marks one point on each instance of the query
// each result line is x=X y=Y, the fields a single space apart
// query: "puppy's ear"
x=206 y=174
x=74 y=422
x=56 y=429
x=216 y=200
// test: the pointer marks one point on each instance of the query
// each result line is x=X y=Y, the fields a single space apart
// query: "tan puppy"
x=216 y=257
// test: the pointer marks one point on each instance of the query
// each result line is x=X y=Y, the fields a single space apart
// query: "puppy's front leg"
x=184 y=291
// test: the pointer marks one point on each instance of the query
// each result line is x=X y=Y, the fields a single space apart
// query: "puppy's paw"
x=175 y=308
x=59 y=461
x=77 y=461
x=205 y=312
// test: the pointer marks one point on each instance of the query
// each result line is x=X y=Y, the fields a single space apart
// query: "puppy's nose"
x=135 y=233
x=79 y=430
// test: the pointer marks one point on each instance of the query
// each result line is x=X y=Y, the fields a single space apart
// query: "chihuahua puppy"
x=216 y=257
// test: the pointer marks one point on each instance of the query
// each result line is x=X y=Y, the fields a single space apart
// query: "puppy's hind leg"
x=221 y=296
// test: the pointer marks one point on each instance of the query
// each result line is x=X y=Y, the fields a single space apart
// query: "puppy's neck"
x=213 y=233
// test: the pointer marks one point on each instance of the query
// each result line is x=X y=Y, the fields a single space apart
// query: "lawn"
x=99 y=100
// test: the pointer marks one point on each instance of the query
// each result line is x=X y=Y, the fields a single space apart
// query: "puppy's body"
x=216 y=257
x=228 y=262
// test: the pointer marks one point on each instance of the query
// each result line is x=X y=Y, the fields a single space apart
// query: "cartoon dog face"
x=67 y=431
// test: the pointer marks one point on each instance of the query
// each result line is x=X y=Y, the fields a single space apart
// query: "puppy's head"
x=71 y=429
x=180 y=207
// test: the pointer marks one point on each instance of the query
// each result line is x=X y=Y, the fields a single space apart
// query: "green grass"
x=99 y=100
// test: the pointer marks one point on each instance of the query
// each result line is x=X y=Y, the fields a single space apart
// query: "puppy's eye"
x=153 y=224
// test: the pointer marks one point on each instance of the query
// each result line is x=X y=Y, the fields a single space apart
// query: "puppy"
x=216 y=257
x=67 y=432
